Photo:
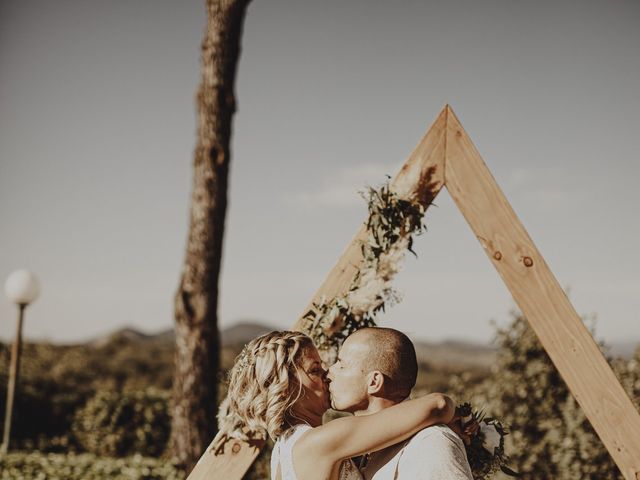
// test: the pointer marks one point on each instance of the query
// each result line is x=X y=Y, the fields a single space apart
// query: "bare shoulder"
x=309 y=454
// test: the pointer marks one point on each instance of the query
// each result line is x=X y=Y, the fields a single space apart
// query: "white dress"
x=283 y=454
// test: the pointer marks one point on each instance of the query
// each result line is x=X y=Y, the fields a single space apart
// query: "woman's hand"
x=465 y=430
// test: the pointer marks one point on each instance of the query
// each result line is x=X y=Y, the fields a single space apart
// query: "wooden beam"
x=542 y=300
x=421 y=178
x=231 y=463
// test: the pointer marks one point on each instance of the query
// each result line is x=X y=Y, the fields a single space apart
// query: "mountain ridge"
x=442 y=353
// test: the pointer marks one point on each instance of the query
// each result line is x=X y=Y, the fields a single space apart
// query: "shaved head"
x=393 y=354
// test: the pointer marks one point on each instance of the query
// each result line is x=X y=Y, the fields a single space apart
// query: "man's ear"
x=375 y=382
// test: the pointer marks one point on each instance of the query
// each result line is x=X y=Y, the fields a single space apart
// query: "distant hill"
x=244 y=332
x=234 y=336
x=447 y=354
x=451 y=353
x=624 y=349
x=127 y=334
x=455 y=354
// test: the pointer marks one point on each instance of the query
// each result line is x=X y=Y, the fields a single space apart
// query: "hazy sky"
x=97 y=123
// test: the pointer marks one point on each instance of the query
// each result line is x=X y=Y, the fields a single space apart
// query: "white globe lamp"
x=21 y=288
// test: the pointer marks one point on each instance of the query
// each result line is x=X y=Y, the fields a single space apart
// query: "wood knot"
x=235 y=448
x=497 y=255
x=458 y=133
x=637 y=475
x=527 y=261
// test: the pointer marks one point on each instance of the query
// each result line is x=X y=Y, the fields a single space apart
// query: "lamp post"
x=22 y=289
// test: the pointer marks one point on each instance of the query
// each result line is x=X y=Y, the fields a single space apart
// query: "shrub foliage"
x=41 y=466
x=550 y=435
x=114 y=424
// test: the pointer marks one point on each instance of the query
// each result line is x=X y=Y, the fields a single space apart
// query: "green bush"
x=39 y=466
x=550 y=435
x=124 y=423
x=55 y=381
x=44 y=404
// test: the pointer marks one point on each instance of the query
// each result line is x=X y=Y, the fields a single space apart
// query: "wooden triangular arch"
x=446 y=157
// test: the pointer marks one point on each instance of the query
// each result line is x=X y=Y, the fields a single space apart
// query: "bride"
x=279 y=385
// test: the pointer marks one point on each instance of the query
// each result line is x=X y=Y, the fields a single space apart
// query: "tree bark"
x=197 y=337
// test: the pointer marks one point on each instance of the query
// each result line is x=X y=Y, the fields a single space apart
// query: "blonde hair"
x=264 y=383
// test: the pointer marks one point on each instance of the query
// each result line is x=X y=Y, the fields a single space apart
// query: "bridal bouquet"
x=485 y=448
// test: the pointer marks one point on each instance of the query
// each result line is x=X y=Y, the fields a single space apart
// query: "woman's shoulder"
x=294 y=433
x=282 y=454
x=290 y=437
x=308 y=457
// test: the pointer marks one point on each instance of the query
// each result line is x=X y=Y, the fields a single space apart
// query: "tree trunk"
x=197 y=338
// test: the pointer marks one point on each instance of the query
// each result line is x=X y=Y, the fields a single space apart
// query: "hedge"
x=85 y=466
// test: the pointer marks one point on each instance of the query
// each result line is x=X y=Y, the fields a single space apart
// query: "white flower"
x=491 y=438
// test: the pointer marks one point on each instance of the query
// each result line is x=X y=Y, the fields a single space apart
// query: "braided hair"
x=264 y=383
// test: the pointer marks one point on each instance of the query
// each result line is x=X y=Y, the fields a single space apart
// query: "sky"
x=97 y=130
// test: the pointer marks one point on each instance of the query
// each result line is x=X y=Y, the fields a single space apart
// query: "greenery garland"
x=391 y=224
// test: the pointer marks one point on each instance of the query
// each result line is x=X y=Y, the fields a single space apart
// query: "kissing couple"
x=278 y=384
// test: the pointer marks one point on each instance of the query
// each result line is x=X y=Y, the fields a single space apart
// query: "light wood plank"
x=230 y=464
x=421 y=177
x=542 y=300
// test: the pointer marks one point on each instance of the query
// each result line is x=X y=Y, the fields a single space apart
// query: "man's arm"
x=435 y=453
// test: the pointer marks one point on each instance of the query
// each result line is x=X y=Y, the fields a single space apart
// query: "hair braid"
x=263 y=385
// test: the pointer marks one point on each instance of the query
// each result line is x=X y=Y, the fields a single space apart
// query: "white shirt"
x=434 y=453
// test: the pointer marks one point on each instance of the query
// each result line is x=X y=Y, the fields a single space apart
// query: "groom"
x=377 y=368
